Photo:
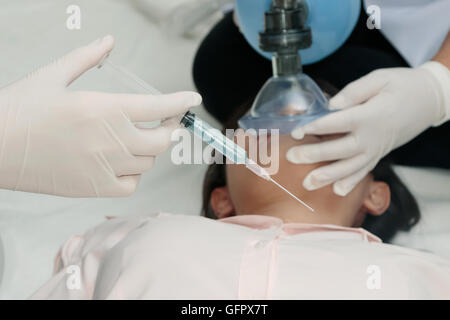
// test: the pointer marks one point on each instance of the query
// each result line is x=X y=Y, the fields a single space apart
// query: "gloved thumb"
x=359 y=91
x=77 y=62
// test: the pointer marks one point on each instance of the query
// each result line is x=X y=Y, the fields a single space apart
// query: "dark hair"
x=403 y=212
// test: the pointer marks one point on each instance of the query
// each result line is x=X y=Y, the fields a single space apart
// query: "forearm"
x=443 y=56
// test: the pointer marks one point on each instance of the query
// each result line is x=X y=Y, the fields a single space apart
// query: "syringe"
x=208 y=134
x=229 y=149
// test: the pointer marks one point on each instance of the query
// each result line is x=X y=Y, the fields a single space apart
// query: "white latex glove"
x=382 y=111
x=80 y=144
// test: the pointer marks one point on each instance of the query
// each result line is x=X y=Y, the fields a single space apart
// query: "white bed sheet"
x=32 y=227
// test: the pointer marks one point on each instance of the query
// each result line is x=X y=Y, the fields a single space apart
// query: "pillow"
x=431 y=187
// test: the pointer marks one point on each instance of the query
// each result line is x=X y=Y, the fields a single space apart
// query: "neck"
x=294 y=212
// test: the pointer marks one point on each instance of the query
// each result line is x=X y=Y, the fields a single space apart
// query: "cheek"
x=243 y=186
x=360 y=192
x=354 y=202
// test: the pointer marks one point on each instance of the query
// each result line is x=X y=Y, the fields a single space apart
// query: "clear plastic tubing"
x=208 y=134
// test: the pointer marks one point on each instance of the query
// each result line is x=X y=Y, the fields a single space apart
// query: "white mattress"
x=32 y=227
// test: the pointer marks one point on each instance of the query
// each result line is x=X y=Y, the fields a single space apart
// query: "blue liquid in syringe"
x=214 y=138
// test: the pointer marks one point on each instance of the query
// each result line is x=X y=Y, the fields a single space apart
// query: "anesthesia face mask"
x=285 y=103
x=283 y=29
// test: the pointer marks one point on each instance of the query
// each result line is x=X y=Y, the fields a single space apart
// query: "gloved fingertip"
x=337 y=102
x=108 y=39
x=308 y=184
x=196 y=99
x=291 y=156
x=316 y=180
x=185 y=98
x=298 y=134
x=340 y=190
x=108 y=43
x=296 y=156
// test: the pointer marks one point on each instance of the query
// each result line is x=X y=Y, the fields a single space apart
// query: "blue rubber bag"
x=331 y=22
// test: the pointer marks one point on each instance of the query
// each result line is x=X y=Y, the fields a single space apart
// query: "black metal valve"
x=285 y=33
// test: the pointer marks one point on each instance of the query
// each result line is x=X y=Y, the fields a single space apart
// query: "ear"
x=221 y=203
x=378 y=198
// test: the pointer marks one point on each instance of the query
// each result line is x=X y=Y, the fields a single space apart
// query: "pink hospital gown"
x=167 y=256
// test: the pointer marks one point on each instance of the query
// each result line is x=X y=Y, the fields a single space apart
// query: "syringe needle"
x=291 y=194
x=261 y=172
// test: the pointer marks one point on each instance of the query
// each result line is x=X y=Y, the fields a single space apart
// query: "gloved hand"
x=381 y=112
x=80 y=144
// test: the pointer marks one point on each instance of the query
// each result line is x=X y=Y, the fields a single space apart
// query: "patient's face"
x=247 y=193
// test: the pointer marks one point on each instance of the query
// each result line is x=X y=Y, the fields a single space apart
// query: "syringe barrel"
x=214 y=138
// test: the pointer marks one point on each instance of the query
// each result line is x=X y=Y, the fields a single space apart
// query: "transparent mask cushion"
x=285 y=124
x=286 y=103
